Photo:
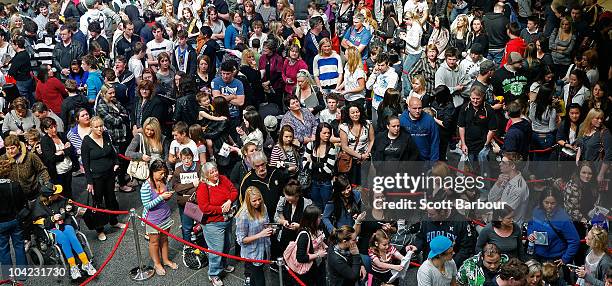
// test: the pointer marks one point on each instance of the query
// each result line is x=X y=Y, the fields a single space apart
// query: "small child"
x=32 y=137
x=205 y=111
x=180 y=132
x=258 y=34
x=383 y=254
x=328 y=114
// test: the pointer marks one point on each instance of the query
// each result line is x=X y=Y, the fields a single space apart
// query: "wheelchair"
x=45 y=251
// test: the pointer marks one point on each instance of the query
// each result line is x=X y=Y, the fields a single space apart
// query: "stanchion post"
x=141 y=272
x=281 y=268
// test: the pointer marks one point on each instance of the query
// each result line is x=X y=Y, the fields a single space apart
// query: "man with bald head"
x=423 y=129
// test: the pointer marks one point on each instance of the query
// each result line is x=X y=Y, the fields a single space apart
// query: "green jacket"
x=471 y=273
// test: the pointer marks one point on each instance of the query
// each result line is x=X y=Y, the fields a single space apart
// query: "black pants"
x=104 y=195
x=123 y=164
x=65 y=180
x=258 y=277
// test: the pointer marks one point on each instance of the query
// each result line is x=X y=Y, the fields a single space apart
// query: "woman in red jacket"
x=49 y=89
x=216 y=196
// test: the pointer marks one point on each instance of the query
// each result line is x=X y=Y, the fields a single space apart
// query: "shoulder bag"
x=192 y=209
x=290 y=256
x=345 y=160
x=139 y=169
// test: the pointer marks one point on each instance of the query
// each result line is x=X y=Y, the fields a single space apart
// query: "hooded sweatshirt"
x=514 y=45
x=518 y=138
x=425 y=134
x=563 y=239
x=94 y=84
x=496 y=29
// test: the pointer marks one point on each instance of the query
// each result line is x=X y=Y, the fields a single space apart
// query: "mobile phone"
x=572 y=266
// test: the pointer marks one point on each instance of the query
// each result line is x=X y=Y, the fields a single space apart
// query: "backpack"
x=194 y=258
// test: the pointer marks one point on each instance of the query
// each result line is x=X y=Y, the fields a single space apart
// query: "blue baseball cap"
x=439 y=245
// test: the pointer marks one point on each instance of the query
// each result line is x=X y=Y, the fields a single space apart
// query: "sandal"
x=172 y=265
x=160 y=271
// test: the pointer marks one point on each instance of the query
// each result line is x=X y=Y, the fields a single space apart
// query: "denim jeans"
x=496 y=55
x=320 y=192
x=68 y=241
x=11 y=231
x=186 y=225
x=217 y=236
x=541 y=141
x=409 y=61
x=456 y=12
x=26 y=89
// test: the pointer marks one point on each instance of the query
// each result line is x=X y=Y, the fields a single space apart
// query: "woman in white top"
x=194 y=5
x=255 y=130
x=353 y=85
x=597 y=261
x=418 y=89
x=577 y=90
x=356 y=139
x=413 y=50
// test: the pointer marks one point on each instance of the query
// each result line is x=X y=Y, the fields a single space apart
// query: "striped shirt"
x=322 y=168
x=43 y=50
x=154 y=48
x=388 y=258
x=327 y=69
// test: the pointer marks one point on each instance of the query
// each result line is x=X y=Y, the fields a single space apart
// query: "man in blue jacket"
x=423 y=129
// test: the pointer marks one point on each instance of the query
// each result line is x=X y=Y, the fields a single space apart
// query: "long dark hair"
x=551 y=192
x=339 y=185
x=43 y=73
x=543 y=100
x=500 y=214
x=391 y=100
x=317 y=141
x=310 y=219
x=347 y=119
x=567 y=124
x=220 y=107
x=157 y=165
x=255 y=122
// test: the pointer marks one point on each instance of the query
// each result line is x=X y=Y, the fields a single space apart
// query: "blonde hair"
x=249 y=193
x=96 y=119
x=369 y=18
x=600 y=238
x=322 y=42
x=586 y=127
x=353 y=59
x=455 y=28
x=153 y=123
x=421 y=79
x=245 y=57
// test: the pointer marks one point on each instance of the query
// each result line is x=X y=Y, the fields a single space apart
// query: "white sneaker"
x=75 y=273
x=89 y=269
x=215 y=281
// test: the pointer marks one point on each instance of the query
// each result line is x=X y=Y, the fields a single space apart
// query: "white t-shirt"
x=175 y=149
x=351 y=83
x=136 y=67
x=326 y=116
x=154 y=48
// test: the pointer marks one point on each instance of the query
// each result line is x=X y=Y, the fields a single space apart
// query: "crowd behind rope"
x=262 y=120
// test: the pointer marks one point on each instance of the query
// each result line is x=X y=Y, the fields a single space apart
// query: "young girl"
x=285 y=153
x=197 y=135
x=382 y=255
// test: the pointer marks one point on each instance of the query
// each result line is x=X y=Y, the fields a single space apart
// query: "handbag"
x=93 y=219
x=139 y=169
x=290 y=256
x=192 y=209
x=345 y=160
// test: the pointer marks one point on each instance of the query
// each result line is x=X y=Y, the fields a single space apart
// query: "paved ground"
x=116 y=272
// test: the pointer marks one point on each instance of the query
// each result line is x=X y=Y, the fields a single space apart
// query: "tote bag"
x=290 y=256
x=139 y=169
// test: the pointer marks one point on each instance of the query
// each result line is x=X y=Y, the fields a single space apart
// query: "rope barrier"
x=111 y=212
x=202 y=248
x=297 y=279
x=124 y=157
x=109 y=257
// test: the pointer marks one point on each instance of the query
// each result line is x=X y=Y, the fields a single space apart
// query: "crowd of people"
x=262 y=122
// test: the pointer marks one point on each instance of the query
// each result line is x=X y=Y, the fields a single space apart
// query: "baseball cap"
x=514 y=58
x=270 y=122
x=48 y=189
x=439 y=245
x=486 y=66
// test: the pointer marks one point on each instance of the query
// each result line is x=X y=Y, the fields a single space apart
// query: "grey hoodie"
x=452 y=78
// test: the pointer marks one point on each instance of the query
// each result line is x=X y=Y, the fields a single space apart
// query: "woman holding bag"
x=151 y=138
x=216 y=195
x=309 y=248
x=154 y=195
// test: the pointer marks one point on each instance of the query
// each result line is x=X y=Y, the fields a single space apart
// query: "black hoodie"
x=496 y=29
x=457 y=228
x=518 y=138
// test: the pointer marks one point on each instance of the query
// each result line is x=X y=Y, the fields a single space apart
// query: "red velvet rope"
x=109 y=257
x=111 y=212
x=297 y=279
x=202 y=248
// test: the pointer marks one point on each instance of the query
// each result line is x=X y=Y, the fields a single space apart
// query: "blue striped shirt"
x=327 y=69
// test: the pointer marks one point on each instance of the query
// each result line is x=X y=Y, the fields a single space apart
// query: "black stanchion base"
x=138 y=274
